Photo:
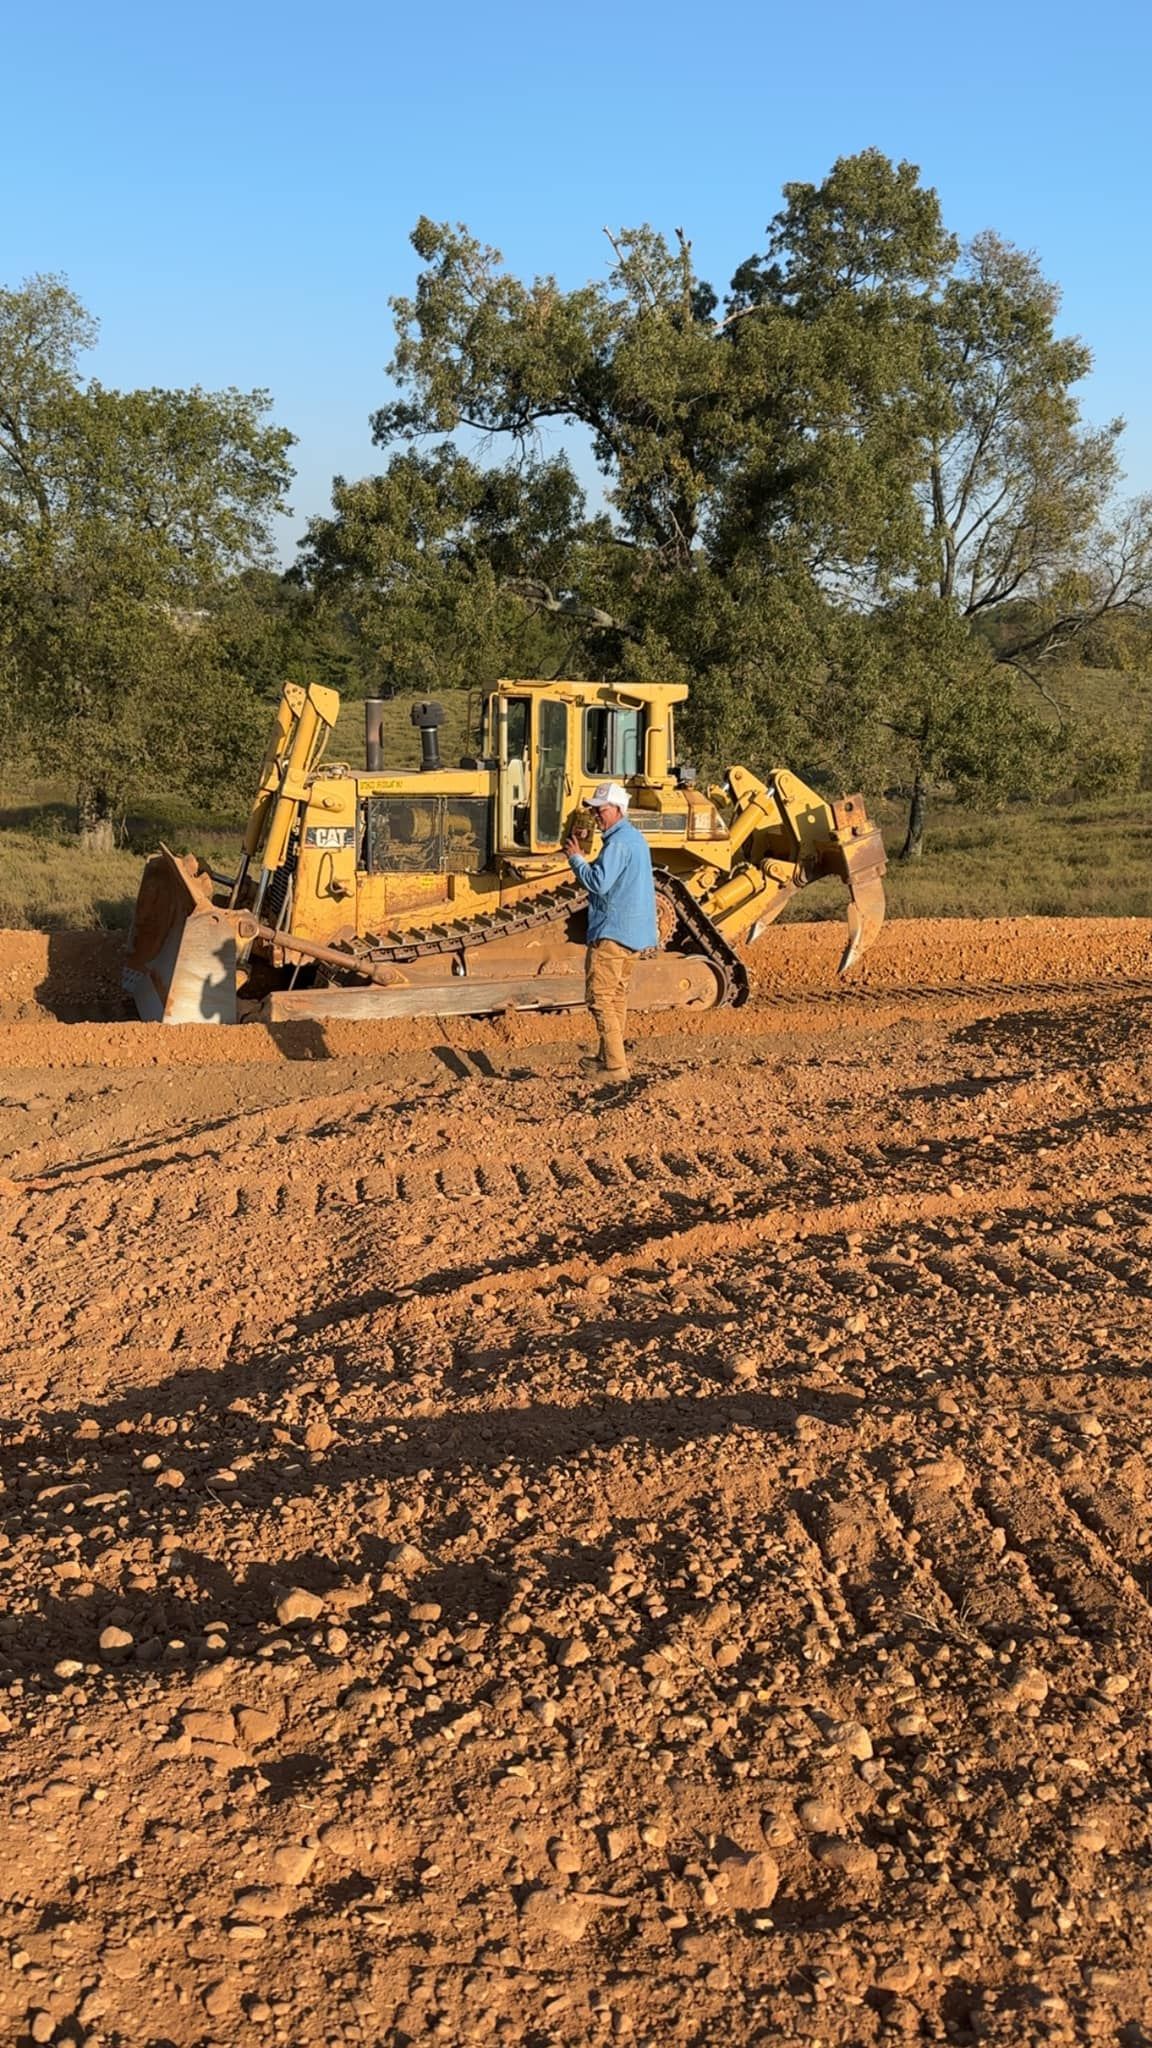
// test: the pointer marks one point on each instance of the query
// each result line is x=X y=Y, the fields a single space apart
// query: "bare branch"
x=987 y=512
x=1063 y=630
x=543 y=598
x=740 y=313
x=645 y=280
x=1011 y=661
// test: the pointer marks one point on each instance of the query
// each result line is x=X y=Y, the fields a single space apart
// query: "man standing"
x=621 y=920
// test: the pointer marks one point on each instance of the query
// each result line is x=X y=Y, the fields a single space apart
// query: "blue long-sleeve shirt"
x=621 y=893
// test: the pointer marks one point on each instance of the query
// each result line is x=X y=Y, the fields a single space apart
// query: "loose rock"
x=851 y=1859
x=555 y=1915
x=292 y=1862
x=748 y=1881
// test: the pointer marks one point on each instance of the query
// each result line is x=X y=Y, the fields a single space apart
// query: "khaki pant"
x=608 y=970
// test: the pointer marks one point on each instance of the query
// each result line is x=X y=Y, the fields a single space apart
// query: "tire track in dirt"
x=761 y=1461
x=814 y=1227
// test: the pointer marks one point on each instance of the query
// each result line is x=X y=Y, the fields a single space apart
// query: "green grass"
x=1054 y=860
x=1059 y=860
x=48 y=884
x=1102 y=696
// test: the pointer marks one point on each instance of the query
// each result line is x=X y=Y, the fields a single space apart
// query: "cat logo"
x=330 y=838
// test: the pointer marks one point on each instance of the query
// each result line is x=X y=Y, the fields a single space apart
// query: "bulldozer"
x=373 y=891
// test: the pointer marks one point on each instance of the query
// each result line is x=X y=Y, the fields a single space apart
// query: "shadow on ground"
x=81 y=984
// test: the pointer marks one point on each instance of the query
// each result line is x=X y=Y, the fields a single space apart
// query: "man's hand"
x=573 y=848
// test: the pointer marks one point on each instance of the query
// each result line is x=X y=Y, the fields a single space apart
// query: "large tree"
x=125 y=520
x=849 y=503
x=453 y=574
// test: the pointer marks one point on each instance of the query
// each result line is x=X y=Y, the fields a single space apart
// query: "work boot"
x=593 y=1066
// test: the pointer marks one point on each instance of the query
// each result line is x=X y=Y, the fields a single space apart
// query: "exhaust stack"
x=428 y=718
x=374 y=734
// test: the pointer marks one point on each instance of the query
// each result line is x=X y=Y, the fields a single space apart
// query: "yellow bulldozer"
x=442 y=890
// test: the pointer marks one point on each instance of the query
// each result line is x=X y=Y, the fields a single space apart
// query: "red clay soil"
x=491 y=1561
x=73 y=978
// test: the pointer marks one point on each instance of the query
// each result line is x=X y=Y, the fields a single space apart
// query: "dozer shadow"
x=81 y=984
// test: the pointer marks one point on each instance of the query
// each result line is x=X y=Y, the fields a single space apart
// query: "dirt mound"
x=67 y=975
x=956 y=952
x=490 y=1562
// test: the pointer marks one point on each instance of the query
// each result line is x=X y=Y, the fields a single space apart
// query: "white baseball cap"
x=608 y=793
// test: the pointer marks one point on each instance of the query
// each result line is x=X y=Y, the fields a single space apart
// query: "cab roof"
x=599 y=693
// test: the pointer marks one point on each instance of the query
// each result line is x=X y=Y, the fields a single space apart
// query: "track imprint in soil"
x=486 y=1561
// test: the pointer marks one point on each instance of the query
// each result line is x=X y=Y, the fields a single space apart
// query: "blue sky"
x=230 y=189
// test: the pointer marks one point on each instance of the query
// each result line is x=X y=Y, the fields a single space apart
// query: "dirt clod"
x=748 y=1881
x=292 y=1862
x=256 y=1726
x=556 y=1915
x=296 y=1605
x=853 y=1859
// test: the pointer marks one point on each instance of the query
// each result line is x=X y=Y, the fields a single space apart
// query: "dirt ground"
x=488 y=1561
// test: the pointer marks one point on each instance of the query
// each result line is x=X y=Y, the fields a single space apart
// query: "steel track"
x=693 y=926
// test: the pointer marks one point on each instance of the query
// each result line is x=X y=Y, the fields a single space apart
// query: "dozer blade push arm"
x=184 y=945
x=783 y=835
x=305 y=716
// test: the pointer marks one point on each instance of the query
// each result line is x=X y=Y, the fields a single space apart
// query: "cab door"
x=552 y=772
x=510 y=739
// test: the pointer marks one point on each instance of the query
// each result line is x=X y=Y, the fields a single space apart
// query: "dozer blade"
x=181 y=964
x=670 y=981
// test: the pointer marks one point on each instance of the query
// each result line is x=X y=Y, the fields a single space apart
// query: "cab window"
x=613 y=741
x=551 y=769
x=518 y=714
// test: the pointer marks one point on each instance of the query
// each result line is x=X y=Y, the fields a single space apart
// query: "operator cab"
x=551 y=743
x=535 y=740
x=529 y=739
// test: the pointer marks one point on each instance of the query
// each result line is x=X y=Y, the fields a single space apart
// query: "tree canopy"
x=851 y=499
x=125 y=520
x=850 y=502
